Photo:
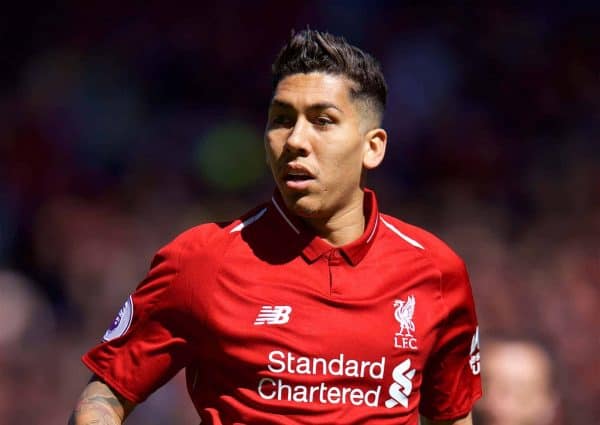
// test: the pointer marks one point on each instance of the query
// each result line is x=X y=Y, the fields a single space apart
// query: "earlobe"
x=376 y=141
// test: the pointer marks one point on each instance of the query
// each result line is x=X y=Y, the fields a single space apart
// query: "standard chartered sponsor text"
x=280 y=362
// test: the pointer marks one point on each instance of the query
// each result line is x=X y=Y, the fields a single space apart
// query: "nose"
x=298 y=138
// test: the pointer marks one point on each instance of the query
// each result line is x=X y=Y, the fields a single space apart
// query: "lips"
x=296 y=172
x=296 y=176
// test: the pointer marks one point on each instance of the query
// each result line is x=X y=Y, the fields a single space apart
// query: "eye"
x=281 y=120
x=323 y=121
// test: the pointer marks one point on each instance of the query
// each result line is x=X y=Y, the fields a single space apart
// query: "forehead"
x=313 y=88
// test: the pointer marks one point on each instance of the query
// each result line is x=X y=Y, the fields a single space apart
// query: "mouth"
x=296 y=176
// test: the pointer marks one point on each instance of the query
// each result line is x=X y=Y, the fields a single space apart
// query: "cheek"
x=272 y=150
x=347 y=155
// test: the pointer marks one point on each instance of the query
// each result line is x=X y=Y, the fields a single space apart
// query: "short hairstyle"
x=314 y=51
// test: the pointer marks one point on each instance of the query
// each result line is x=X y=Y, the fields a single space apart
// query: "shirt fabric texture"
x=275 y=326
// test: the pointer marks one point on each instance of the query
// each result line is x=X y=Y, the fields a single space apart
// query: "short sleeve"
x=147 y=344
x=451 y=380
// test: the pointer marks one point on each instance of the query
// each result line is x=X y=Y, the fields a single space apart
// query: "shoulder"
x=208 y=240
x=195 y=255
x=443 y=257
x=454 y=284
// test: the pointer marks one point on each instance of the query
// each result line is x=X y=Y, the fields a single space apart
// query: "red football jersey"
x=275 y=326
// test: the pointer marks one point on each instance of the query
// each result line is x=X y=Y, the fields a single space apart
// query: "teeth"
x=298 y=176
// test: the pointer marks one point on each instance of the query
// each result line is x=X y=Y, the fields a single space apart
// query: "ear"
x=375 y=142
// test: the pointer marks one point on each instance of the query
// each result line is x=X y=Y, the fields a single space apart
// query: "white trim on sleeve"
x=402 y=235
x=249 y=221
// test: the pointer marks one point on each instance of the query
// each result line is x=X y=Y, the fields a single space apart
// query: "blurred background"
x=122 y=126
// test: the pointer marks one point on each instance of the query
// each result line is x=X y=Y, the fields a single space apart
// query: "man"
x=314 y=307
x=520 y=385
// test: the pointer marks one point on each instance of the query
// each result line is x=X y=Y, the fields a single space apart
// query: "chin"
x=302 y=205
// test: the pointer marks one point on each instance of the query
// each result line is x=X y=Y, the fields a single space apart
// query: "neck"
x=342 y=228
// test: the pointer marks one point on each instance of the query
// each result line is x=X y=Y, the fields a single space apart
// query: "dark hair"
x=314 y=51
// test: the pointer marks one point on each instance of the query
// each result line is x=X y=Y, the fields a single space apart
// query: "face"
x=517 y=385
x=318 y=146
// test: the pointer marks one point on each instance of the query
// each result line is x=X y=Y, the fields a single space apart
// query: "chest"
x=324 y=335
x=385 y=307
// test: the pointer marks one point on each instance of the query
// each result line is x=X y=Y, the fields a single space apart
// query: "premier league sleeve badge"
x=121 y=323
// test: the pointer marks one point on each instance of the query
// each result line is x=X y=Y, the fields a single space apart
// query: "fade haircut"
x=314 y=51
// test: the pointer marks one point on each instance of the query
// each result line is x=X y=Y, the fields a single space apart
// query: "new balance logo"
x=402 y=387
x=273 y=315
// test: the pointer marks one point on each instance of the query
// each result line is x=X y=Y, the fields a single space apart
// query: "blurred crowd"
x=122 y=127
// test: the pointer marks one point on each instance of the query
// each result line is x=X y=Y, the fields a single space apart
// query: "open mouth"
x=297 y=177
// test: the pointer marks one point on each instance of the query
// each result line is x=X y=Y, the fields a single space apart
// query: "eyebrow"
x=317 y=106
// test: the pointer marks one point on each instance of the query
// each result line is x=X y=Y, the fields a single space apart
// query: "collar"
x=315 y=247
